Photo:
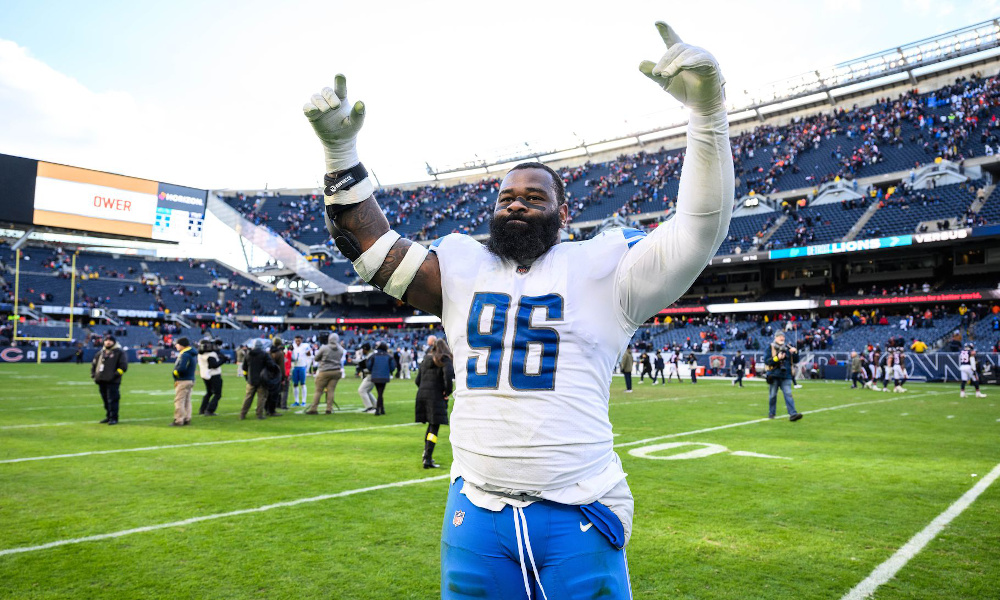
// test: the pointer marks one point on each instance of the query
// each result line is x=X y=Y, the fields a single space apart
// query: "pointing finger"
x=340 y=85
x=668 y=34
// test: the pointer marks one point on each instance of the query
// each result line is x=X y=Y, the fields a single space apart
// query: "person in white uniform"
x=536 y=327
x=672 y=366
x=899 y=374
x=968 y=371
x=301 y=359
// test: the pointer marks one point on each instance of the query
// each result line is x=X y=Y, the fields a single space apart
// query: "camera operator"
x=210 y=361
x=779 y=374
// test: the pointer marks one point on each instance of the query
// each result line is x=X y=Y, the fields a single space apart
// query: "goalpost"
x=17 y=314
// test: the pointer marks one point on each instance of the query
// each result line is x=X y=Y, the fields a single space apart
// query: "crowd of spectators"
x=952 y=123
x=180 y=285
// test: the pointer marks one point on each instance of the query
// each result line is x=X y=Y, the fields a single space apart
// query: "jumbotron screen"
x=82 y=199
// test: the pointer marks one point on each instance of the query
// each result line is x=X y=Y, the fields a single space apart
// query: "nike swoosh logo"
x=585 y=528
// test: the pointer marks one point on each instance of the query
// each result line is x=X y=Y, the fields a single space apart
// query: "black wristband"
x=345 y=180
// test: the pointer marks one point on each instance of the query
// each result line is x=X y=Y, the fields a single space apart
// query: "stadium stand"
x=859 y=336
x=811 y=225
x=902 y=214
x=990 y=211
x=953 y=122
x=105 y=281
x=744 y=232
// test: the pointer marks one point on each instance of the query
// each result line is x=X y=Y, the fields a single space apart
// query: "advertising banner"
x=843 y=247
x=82 y=199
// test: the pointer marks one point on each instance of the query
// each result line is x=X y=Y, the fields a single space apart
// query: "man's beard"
x=525 y=241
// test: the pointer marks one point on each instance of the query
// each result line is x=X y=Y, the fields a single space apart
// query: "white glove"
x=336 y=125
x=688 y=73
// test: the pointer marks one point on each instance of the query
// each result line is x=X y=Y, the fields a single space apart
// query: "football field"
x=870 y=491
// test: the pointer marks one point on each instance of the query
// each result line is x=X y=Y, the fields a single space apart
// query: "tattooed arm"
x=357 y=221
x=367 y=223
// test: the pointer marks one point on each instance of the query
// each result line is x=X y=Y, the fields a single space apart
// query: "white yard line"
x=887 y=570
x=92 y=406
x=666 y=399
x=163 y=418
x=234 y=513
x=751 y=422
x=197 y=444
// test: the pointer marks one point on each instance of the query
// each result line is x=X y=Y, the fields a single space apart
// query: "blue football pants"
x=480 y=559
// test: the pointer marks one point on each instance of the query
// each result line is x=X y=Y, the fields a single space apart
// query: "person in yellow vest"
x=918 y=346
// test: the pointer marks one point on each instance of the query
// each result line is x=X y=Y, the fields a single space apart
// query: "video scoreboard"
x=42 y=193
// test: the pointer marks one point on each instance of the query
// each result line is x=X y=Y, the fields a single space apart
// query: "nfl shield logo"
x=459 y=517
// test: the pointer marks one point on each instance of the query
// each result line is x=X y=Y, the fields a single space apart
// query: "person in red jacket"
x=284 y=382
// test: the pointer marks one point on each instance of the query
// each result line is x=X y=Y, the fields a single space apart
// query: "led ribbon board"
x=75 y=198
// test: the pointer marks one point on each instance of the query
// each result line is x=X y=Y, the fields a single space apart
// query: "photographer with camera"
x=779 y=374
x=210 y=361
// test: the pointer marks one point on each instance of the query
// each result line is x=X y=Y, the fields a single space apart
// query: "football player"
x=968 y=368
x=301 y=359
x=538 y=505
x=887 y=367
x=874 y=366
x=673 y=362
x=899 y=374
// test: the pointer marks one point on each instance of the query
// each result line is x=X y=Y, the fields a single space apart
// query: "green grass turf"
x=857 y=484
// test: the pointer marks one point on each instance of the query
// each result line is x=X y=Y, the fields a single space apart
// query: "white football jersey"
x=300 y=355
x=535 y=347
x=534 y=351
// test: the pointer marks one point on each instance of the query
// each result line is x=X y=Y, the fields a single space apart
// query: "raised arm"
x=661 y=267
x=399 y=267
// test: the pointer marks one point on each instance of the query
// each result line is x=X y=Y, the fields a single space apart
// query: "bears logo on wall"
x=12 y=355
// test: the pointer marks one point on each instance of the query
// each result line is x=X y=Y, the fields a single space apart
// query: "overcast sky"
x=209 y=94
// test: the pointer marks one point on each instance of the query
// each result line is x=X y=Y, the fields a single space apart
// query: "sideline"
x=235 y=513
x=887 y=570
x=197 y=444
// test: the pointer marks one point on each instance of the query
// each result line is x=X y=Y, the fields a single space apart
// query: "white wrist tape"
x=406 y=271
x=359 y=193
x=368 y=263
